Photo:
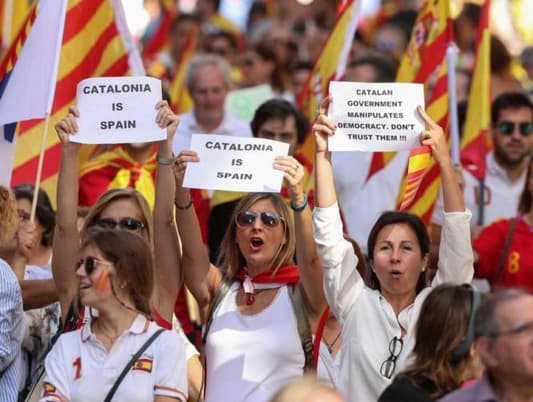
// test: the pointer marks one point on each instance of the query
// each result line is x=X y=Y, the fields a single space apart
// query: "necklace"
x=330 y=345
x=250 y=297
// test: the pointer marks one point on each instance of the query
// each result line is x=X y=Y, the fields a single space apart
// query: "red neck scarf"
x=288 y=274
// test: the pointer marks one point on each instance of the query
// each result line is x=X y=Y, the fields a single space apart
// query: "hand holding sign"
x=294 y=174
x=434 y=138
x=323 y=127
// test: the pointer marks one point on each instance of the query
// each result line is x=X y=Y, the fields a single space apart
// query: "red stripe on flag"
x=429 y=61
x=78 y=16
x=25 y=173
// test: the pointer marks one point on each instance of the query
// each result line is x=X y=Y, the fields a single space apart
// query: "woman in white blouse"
x=378 y=323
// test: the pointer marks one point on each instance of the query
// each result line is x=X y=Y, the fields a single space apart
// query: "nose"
x=395 y=255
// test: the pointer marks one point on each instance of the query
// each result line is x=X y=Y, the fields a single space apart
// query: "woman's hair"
x=117 y=194
x=393 y=218
x=266 y=53
x=9 y=219
x=524 y=206
x=44 y=212
x=132 y=257
x=441 y=327
x=230 y=258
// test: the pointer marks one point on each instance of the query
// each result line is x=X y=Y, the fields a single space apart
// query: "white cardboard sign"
x=117 y=110
x=375 y=116
x=235 y=163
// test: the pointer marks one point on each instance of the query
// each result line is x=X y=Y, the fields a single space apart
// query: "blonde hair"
x=117 y=194
x=9 y=219
x=230 y=259
x=304 y=389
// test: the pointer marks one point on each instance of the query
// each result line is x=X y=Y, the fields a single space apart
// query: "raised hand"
x=293 y=175
x=434 y=137
x=180 y=165
x=323 y=127
x=166 y=118
x=68 y=125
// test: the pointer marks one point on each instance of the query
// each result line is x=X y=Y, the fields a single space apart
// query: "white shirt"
x=189 y=126
x=367 y=320
x=501 y=195
x=80 y=368
x=250 y=357
x=328 y=367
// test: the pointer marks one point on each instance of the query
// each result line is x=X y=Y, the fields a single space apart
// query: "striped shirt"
x=11 y=332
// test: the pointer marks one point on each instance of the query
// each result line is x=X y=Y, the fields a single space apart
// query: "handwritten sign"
x=375 y=116
x=235 y=163
x=117 y=110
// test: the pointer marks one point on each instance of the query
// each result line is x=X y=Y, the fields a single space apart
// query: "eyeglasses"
x=247 y=218
x=90 y=264
x=124 y=223
x=508 y=127
x=524 y=329
x=388 y=366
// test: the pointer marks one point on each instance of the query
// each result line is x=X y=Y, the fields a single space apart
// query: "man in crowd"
x=506 y=165
x=504 y=340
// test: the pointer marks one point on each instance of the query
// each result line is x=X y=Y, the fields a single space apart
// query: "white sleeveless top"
x=250 y=357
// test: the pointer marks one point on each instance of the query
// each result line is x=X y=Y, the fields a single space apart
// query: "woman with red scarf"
x=254 y=344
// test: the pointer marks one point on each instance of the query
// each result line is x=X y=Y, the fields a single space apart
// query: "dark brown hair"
x=132 y=257
x=524 y=206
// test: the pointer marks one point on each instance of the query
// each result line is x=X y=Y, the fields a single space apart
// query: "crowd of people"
x=137 y=288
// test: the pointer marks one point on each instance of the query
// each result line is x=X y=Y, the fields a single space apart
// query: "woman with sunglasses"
x=253 y=345
x=378 y=322
x=116 y=277
x=124 y=209
x=502 y=251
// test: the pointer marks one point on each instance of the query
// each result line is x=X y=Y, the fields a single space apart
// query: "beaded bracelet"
x=299 y=208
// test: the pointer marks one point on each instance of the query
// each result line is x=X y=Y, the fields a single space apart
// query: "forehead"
x=24 y=204
x=361 y=73
x=122 y=208
x=515 y=312
x=262 y=205
x=515 y=114
x=397 y=232
x=208 y=76
x=278 y=124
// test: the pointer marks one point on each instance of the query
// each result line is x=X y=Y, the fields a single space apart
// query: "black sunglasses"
x=247 y=218
x=388 y=366
x=124 y=223
x=508 y=127
x=90 y=264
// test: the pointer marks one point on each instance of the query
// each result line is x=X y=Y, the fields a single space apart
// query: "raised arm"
x=167 y=254
x=455 y=250
x=201 y=277
x=306 y=255
x=66 y=236
x=342 y=282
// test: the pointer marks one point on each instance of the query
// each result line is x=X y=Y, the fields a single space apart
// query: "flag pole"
x=451 y=59
x=39 y=168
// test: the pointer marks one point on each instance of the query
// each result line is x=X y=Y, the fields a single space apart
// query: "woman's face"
x=398 y=260
x=258 y=242
x=255 y=70
x=24 y=211
x=94 y=273
x=123 y=213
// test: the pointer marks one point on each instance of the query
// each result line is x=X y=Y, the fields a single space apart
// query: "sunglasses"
x=389 y=366
x=508 y=127
x=90 y=264
x=247 y=218
x=124 y=223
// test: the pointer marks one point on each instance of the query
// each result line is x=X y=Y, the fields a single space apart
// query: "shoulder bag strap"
x=501 y=264
x=304 y=329
x=112 y=391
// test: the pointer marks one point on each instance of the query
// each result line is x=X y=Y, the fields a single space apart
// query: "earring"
x=423 y=269
x=123 y=286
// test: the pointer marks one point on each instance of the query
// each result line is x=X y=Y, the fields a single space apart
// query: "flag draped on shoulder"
x=96 y=42
x=475 y=134
x=330 y=65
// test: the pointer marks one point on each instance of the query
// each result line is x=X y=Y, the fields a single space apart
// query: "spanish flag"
x=143 y=365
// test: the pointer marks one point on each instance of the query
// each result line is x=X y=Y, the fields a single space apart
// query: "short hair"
x=230 y=258
x=9 y=218
x=471 y=12
x=280 y=109
x=202 y=60
x=526 y=198
x=393 y=218
x=509 y=100
x=441 y=327
x=384 y=67
x=485 y=322
x=184 y=17
x=221 y=33
x=500 y=57
x=44 y=211
x=132 y=257
x=118 y=194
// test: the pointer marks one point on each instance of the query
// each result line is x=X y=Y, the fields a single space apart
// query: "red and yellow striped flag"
x=13 y=14
x=155 y=40
x=418 y=162
x=474 y=145
x=330 y=65
x=180 y=99
x=96 y=42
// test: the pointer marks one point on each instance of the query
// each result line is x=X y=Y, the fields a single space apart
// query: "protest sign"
x=375 y=116
x=116 y=110
x=235 y=163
